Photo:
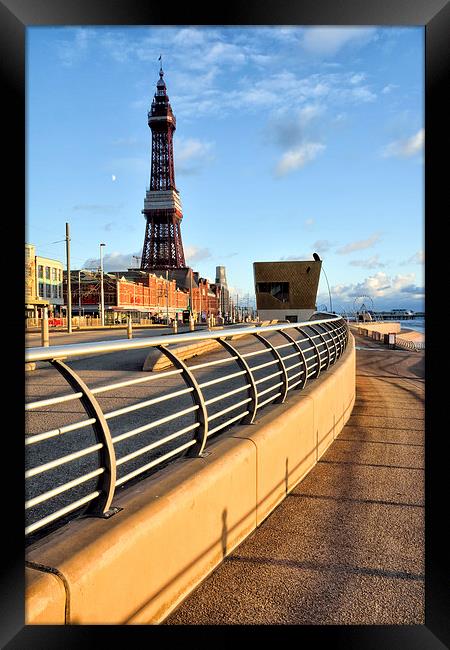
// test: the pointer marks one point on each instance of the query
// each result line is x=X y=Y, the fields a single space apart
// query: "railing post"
x=44 y=328
x=319 y=363
x=324 y=340
x=331 y=330
x=341 y=337
x=101 y=507
x=202 y=414
x=302 y=357
x=244 y=366
x=278 y=357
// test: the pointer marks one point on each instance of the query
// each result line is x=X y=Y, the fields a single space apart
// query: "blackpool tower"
x=163 y=248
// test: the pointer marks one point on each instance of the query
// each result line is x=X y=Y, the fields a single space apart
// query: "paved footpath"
x=346 y=546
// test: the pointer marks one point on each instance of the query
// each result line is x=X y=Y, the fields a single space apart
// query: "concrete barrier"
x=177 y=526
x=157 y=360
x=367 y=329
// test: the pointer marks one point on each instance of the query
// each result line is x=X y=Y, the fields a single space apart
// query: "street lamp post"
x=102 y=296
x=69 y=288
x=317 y=258
x=79 y=299
x=167 y=297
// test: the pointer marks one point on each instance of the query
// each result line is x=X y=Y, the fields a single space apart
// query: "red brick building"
x=141 y=295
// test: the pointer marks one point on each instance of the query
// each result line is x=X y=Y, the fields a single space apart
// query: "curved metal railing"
x=414 y=346
x=100 y=456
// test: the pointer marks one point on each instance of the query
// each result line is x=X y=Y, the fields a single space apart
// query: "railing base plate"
x=103 y=515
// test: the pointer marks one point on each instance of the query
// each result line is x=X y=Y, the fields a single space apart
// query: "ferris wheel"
x=363 y=304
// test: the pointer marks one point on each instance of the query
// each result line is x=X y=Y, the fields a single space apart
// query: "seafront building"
x=286 y=290
x=43 y=284
x=139 y=294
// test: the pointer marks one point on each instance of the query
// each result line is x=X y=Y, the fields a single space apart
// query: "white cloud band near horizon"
x=406 y=147
x=382 y=288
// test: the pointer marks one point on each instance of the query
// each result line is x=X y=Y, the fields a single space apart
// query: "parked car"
x=55 y=322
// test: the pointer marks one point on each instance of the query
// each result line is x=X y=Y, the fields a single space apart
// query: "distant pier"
x=397 y=315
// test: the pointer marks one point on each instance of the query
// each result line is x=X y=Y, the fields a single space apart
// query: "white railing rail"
x=303 y=351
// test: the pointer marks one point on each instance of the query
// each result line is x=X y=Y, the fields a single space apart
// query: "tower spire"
x=163 y=247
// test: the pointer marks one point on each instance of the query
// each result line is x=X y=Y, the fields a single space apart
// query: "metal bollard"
x=191 y=324
x=129 y=328
x=175 y=326
x=44 y=329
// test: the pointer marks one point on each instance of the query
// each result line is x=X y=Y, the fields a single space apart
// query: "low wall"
x=383 y=328
x=178 y=525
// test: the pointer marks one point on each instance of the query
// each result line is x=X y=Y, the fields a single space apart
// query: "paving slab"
x=346 y=546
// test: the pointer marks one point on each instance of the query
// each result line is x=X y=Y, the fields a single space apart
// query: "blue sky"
x=289 y=141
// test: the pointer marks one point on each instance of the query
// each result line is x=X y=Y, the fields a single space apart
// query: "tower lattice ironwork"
x=163 y=248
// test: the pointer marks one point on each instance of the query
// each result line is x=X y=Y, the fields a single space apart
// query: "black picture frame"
x=434 y=15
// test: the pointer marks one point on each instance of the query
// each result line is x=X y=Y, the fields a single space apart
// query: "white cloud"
x=356 y=78
x=329 y=40
x=73 y=50
x=359 y=245
x=224 y=53
x=322 y=245
x=388 y=89
x=370 y=263
x=190 y=154
x=417 y=258
x=363 y=94
x=298 y=157
x=114 y=261
x=288 y=128
x=405 y=148
x=195 y=254
x=189 y=36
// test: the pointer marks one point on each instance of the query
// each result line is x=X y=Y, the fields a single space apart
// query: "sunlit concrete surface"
x=346 y=546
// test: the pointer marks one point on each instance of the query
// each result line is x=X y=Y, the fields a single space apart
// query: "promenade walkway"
x=346 y=546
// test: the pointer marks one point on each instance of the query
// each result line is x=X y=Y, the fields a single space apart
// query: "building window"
x=47 y=273
x=41 y=289
x=279 y=290
x=40 y=271
x=54 y=274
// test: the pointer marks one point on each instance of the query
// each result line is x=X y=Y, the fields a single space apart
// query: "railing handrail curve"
x=304 y=363
x=118 y=345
